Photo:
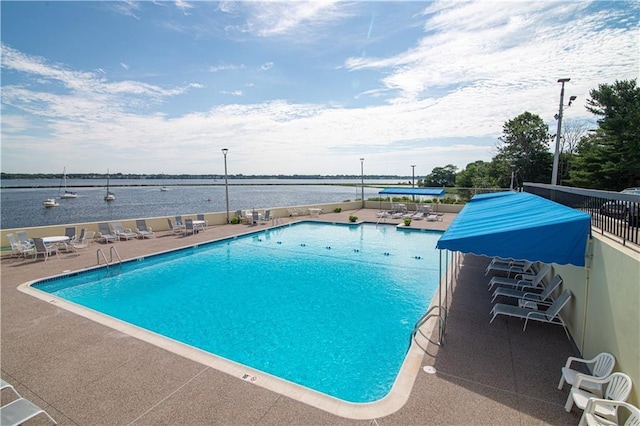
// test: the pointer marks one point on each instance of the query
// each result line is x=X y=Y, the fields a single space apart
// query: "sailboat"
x=63 y=184
x=110 y=195
x=50 y=202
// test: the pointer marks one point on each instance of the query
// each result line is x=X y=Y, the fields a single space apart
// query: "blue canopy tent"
x=519 y=225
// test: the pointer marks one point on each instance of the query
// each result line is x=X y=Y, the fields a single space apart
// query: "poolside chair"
x=84 y=241
x=267 y=217
x=528 y=293
x=69 y=232
x=7 y=385
x=513 y=267
x=19 y=411
x=143 y=230
x=522 y=281
x=590 y=415
x=551 y=315
x=18 y=249
x=43 y=249
x=188 y=227
x=105 y=233
x=121 y=233
x=255 y=217
x=201 y=217
x=418 y=215
x=174 y=229
x=618 y=389
x=179 y=222
x=23 y=239
x=601 y=366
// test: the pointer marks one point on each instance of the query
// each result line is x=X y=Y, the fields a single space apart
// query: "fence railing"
x=612 y=213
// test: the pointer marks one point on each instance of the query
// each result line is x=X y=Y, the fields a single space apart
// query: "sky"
x=295 y=87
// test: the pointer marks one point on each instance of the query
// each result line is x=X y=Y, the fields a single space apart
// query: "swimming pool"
x=328 y=307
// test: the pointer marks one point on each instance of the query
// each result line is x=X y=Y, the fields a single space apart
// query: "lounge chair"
x=143 y=230
x=551 y=315
x=105 y=233
x=7 y=385
x=590 y=415
x=267 y=217
x=179 y=222
x=24 y=240
x=418 y=216
x=43 y=249
x=19 y=411
x=69 y=232
x=528 y=294
x=201 y=217
x=121 y=233
x=618 y=388
x=522 y=281
x=513 y=267
x=84 y=241
x=601 y=366
x=17 y=248
x=432 y=217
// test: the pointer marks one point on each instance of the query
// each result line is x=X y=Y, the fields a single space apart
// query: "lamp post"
x=513 y=172
x=556 y=155
x=226 y=182
x=413 y=179
x=362 y=181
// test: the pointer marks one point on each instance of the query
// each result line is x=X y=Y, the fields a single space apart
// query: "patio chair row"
x=46 y=246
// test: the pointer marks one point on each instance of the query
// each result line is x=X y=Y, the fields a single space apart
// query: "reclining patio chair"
x=601 y=366
x=105 y=233
x=19 y=411
x=43 y=249
x=528 y=293
x=590 y=416
x=18 y=249
x=143 y=230
x=522 y=281
x=550 y=316
x=510 y=267
x=121 y=233
x=618 y=388
x=84 y=241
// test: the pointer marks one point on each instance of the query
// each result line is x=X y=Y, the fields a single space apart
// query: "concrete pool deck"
x=85 y=373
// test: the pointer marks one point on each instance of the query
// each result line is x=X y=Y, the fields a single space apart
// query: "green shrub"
x=407 y=221
x=337 y=210
x=353 y=218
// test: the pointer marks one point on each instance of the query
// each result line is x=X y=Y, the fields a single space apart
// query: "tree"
x=442 y=176
x=610 y=158
x=573 y=131
x=476 y=175
x=525 y=145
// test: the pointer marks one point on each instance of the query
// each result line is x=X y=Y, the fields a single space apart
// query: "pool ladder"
x=441 y=324
x=112 y=250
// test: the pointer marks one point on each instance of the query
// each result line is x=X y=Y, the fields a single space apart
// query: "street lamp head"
x=225 y=150
x=571 y=99
x=362 y=159
x=563 y=80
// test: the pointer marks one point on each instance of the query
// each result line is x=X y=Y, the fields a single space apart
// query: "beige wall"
x=604 y=313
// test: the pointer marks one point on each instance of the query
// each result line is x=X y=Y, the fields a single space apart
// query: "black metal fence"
x=612 y=213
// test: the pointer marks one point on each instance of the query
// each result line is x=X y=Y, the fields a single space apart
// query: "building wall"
x=604 y=314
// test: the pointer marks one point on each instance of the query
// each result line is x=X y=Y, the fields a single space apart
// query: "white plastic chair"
x=591 y=418
x=19 y=411
x=600 y=366
x=618 y=389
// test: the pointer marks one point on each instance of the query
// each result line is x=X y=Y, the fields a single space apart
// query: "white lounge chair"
x=590 y=415
x=267 y=217
x=86 y=237
x=19 y=411
x=601 y=366
x=618 y=389
x=175 y=229
x=43 y=249
x=7 y=385
x=143 y=230
x=514 y=267
x=17 y=248
x=551 y=315
x=105 y=233
x=121 y=233
x=522 y=281
x=24 y=239
x=543 y=297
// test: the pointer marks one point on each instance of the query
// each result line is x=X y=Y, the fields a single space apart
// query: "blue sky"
x=294 y=87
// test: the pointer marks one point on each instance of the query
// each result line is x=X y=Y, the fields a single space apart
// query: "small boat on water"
x=63 y=184
x=164 y=188
x=50 y=202
x=110 y=195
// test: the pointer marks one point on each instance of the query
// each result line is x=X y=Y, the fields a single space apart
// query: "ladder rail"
x=112 y=250
x=440 y=315
x=98 y=253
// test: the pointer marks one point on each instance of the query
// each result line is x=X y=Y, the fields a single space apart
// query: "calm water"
x=22 y=207
x=330 y=307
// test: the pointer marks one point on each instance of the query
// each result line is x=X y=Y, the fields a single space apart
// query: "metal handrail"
x=98 y=253
x=110 y=261
x=112 y=250
x=426 y=317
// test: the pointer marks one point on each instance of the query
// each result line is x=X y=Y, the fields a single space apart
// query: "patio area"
x=84 y=373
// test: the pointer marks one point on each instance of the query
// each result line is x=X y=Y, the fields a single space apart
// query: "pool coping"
x=392 y=402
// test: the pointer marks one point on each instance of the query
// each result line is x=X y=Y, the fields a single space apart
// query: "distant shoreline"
x=151 y=185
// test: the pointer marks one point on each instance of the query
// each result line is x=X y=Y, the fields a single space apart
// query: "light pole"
x=226 y=182
x=556 y=155
x=413 y=179
x=513 y=172
x=362 y=181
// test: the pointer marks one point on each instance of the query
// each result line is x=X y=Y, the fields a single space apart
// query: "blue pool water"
x=329 y=307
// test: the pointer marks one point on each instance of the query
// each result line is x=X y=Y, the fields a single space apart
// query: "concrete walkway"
x=85 y=373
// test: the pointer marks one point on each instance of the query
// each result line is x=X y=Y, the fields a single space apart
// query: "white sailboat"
x=110 y=195
x=63 y=184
